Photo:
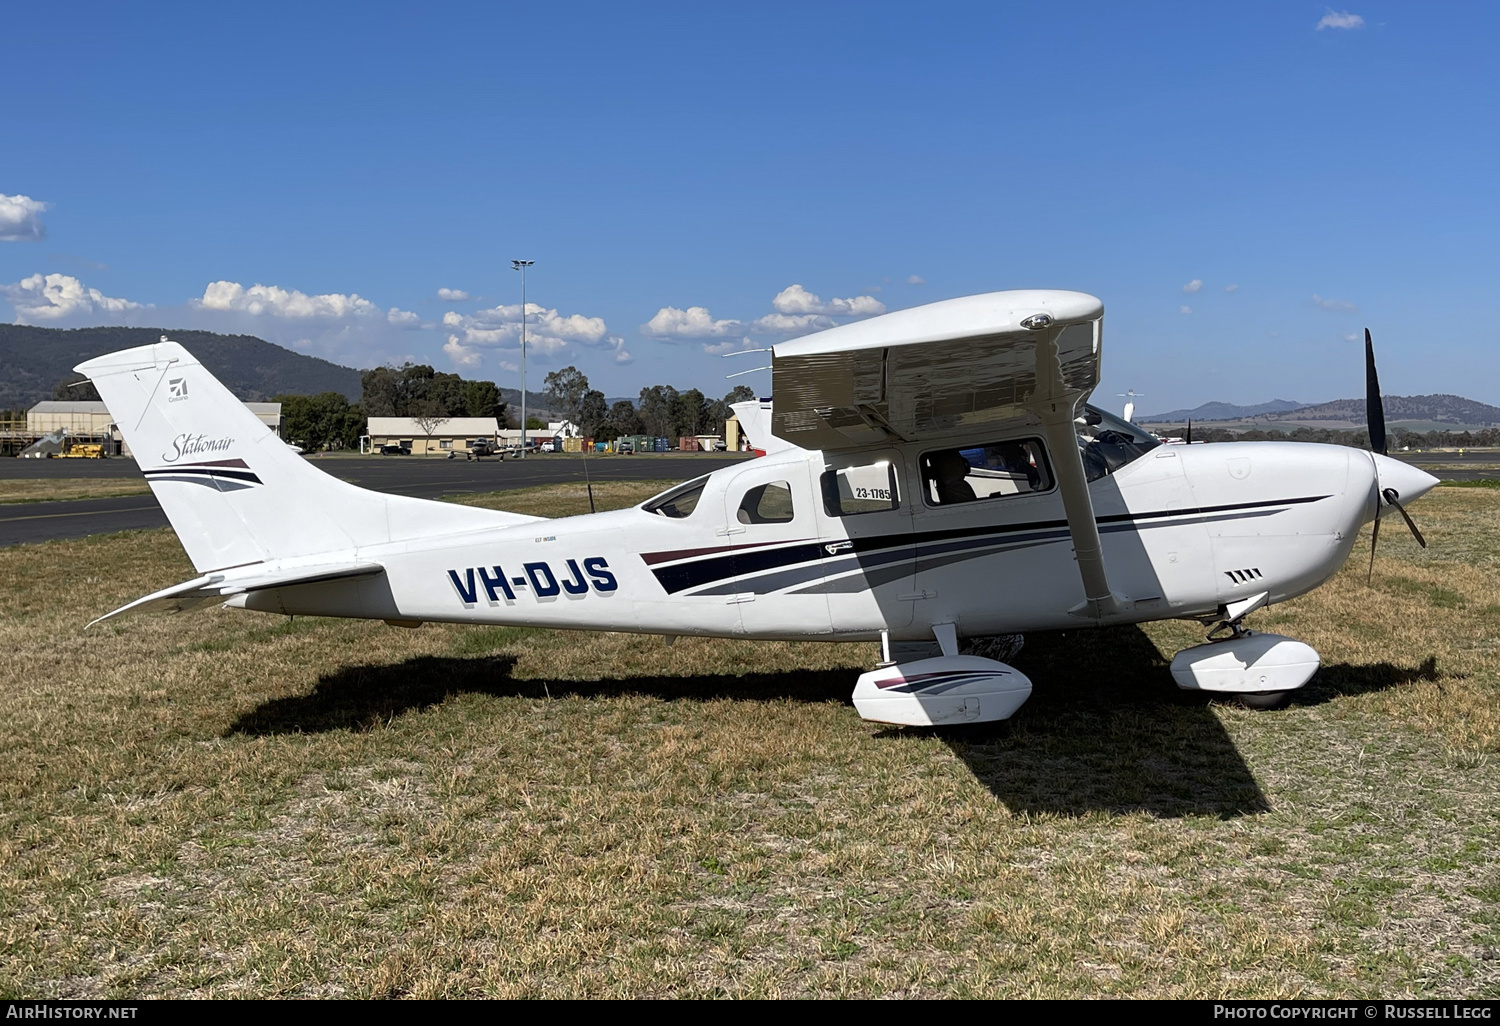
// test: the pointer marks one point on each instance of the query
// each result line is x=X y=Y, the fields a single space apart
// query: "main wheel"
x=1264 y=699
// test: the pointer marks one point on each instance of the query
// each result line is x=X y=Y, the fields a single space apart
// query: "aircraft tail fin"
x=235 y=493
x=755 y=419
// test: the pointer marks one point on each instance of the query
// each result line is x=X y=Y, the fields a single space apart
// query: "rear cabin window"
x=870 y=488
x=992 y=471
x=678 y=502
x=767 y=504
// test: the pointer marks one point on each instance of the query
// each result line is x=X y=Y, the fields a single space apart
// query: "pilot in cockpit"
x=949 y=472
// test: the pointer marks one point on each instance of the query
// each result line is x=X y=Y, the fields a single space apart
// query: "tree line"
x=661 y=411
x=329 y=421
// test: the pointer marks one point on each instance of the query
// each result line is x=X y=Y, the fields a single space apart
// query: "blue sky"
x=1245 y=186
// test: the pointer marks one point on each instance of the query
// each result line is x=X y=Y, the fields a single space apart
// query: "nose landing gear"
x=1262 y=670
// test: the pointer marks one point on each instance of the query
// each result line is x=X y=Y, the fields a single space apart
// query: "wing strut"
x=1056 y=406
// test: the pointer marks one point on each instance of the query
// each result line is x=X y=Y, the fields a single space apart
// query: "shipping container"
x=660 y=445
x=688 y=443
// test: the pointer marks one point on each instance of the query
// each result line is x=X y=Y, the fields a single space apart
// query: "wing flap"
x=209 y=588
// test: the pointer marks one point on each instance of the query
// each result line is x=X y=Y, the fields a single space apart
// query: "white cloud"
x=452 y=295
x=794 y=299
x=1231 y=288
x=54 y=297
x=1351 y=336
x=695 y=322
x=916 y=280
x=1334 y=305
x=403 y=318
x=547 y=331
x=1185 y=309
x=1192 y=286
x=1340 y=20
x=21 y=219
x=787 y=324
x=290 y=304
x=797 y=311
x=460 y=354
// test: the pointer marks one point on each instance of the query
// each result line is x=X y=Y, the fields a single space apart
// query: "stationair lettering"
x=188 y=444
x=540 y=579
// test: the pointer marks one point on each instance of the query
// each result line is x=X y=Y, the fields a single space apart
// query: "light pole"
x=521 y=265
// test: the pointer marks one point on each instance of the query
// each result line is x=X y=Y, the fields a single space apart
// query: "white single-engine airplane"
x=932 y=475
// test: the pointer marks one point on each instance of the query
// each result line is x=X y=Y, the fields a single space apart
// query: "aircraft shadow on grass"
x=1105 y=730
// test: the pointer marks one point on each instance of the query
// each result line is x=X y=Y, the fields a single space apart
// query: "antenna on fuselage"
x=742 y=352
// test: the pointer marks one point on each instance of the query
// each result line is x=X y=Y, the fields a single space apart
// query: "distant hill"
x=33 y=360
x=1433 y=411
x=1225 y=411
x=536 y=405
x=1444 y=409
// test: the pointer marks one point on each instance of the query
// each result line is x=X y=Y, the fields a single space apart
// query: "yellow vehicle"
x=83 y=451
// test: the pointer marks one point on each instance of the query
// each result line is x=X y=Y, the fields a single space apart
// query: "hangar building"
x=90 y=421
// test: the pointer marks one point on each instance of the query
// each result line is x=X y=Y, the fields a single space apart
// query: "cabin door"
x=774 y=559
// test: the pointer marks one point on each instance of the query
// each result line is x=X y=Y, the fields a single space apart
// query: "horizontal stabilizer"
x=217 y=587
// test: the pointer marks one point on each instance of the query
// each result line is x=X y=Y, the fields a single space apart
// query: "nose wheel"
x=1264 y=701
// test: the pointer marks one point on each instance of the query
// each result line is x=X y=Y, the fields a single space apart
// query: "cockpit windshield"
x=1108 y=443
x=677 y=502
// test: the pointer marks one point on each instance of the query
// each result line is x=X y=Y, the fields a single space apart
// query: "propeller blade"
x=1190 y=431
x=1374 y=541
x=1374 y=408
x=1391 y=496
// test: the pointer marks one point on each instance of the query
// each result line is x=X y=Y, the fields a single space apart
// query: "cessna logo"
x=194 y=445
x=176 y=390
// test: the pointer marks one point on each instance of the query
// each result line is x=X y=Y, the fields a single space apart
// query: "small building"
x=90 y=420
x=441 y=436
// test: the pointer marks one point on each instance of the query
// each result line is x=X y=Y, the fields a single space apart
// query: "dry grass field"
x=65 y=488
x=221 y=803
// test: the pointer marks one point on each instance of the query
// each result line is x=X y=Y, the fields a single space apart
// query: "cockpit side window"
x=767 y=504
x=1015 y=467
x=1108 y=443
x=678 y=502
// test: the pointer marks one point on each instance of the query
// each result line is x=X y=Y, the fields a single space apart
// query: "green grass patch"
x=1434 y=594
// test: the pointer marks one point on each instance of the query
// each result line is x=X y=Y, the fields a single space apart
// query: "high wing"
x=954 y=370
x=935 y=371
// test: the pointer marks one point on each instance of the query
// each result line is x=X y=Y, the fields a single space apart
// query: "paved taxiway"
x=24 y=522
x=432 y=478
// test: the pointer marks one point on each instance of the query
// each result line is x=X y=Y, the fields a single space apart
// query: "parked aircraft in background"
x=932 y=476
